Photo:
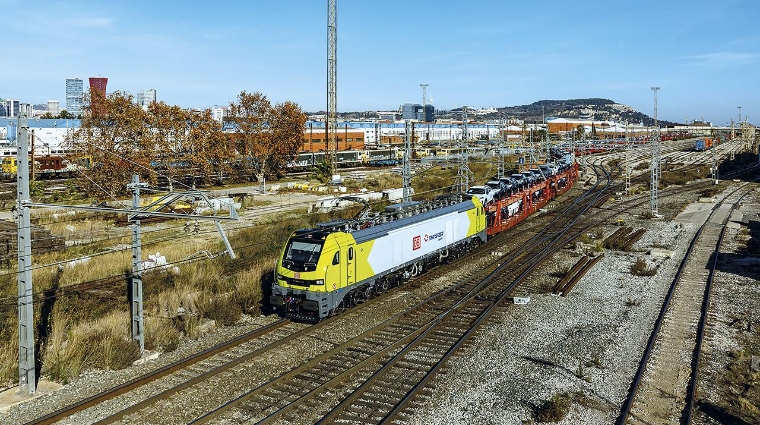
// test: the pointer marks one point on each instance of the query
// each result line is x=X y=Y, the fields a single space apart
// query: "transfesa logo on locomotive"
x=417 y=240
x=434 y=236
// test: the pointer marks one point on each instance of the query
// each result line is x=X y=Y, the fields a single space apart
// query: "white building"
x=53 y=107
x=220 y=112
x=145 y=97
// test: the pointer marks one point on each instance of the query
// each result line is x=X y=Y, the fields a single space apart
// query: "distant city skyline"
x=702 y=54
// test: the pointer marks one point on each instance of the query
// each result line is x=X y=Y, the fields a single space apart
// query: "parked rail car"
x=338 y=264
x=48 y=166
x=383 y=157
x=341 y=263
x=350 y=158
x=702 y=144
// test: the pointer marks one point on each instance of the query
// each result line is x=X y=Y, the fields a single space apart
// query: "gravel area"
x=589 y=343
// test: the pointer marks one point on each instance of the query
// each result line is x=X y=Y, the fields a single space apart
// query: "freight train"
x=47 y=166
x=338 y=264
x=702 y=144
x=349 y=158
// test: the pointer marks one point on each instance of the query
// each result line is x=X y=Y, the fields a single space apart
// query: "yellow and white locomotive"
x=340 y=263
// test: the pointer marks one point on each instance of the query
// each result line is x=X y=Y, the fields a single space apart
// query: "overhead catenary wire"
x=166 y=238
x=76 y=288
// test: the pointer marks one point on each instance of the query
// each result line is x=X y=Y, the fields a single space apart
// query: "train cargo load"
x=506 y=212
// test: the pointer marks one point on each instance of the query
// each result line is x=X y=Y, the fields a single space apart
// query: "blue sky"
x=704 y=55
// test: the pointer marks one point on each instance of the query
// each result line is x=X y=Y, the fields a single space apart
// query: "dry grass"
x=223 y=308
x=100 y=344
x=683 y=176
x=248 y=284
x=641 y=268
x=162 y=334
x=9 y=360
x=555 y=409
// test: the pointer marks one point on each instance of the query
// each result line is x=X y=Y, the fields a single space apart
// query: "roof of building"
x=44 y=122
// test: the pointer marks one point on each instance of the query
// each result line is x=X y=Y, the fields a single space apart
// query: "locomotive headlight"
x=319 y=281
x=279 y=276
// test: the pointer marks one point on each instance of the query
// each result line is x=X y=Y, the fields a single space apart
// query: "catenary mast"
x=332 y=108
x=655 y=167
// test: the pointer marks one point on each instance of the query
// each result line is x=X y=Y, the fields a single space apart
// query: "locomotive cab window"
x=336 y=258
x=302 y=255
x=351 y=253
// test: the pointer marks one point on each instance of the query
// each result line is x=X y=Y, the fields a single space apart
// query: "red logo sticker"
x=297 y=275
x=416 y=243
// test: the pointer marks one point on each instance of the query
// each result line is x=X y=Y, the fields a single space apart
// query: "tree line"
x=120 y=138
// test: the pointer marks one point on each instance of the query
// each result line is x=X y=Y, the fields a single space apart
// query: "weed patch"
x=641 y=268
x=555 y=409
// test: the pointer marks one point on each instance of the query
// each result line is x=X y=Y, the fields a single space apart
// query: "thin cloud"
x=89 y=22
x=721 y=59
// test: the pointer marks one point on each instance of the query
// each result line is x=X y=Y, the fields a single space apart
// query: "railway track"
x=392 y=350
x=196 y=374
x=663 y=390
x=432 y=334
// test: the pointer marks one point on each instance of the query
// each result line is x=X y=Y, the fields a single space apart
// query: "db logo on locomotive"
x=417 y=242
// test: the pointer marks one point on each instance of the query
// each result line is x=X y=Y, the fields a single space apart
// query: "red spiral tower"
x=97 y=84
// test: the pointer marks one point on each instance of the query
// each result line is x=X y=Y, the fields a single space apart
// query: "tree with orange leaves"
x=266 y=137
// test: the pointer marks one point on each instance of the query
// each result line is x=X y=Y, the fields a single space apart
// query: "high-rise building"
x=429 y=113
x=145 y=97
x=410 y=111
x=74 y=93
x=53 y=107
x=12 y=108
x=99 y=84
x=25 y=109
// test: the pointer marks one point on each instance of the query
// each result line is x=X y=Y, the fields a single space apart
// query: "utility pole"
x=502 y=165
x=463 y=176
x=135 y=214
x=627 y=161
x=27 y=374
x=332 y=79
x=714 y=168
x=655 y=167
x=135 y=289
x=424 y=96
x=740 y=114
x=406 y=174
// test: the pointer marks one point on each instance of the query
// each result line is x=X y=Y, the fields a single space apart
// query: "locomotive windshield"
x=302 y=254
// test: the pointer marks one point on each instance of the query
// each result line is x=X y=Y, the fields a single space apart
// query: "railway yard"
x=517 y=331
